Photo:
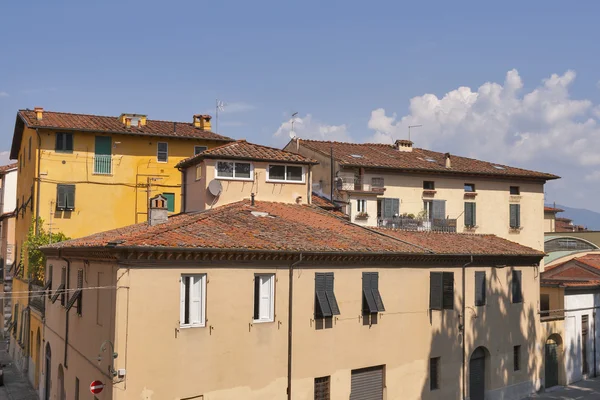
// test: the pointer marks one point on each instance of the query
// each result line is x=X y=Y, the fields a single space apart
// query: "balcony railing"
x=361 y=184
x=102 y=164
x=419 y=224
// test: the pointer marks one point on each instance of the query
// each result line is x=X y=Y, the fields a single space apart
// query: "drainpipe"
x=183 y=186
x=290 y=309
x=594 y=330
x=37 y=199
x=309 y=185
x=464 y=310
x=66 y=299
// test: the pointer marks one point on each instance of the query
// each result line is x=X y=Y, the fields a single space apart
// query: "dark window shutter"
x=439 y=209
x=480 y=286
x=470 y=214
x=514 y=215
x=333 y=305
x=68 y=141
x=375 y=291
x=448 y=288
x=322 y=308
x=369 y=305
x=474 y=214
x=517 y=294
x=61 y=199
x=388 y=210
x=435 y=290
x=256 y=296
x=58 y=143
x=70 y=197
x=395 y=206
x=518 y=215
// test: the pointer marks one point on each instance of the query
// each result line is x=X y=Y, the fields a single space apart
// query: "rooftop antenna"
x=292 y=133
x=412 y=126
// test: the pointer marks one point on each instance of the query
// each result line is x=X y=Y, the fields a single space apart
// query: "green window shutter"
x=470 y=214
x=333 y=305
x=375 y=291
x=439 y=209
x=103 y=146
x=322 y=308
x=388 y=208
x=369 y=305
x=480 y=286
x=170 y=201
x=518 y=215
x=61 y=197
x=448 y=290
x=395 y=207
x=435 y=290
x=70 y=197
x=515 y=218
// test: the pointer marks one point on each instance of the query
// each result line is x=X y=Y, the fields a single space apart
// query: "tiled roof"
x=243 y=150
x=97 y=123
x=571 y=284
x=322 y=202
x=5 y=168
x=552 y=209
x=283 y=227
x=418 y=160
x=457 y=243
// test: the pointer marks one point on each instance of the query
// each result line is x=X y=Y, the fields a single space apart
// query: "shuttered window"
x=162 y=152
x=372 y=302
x=192 y=299
x=64 y=142
x=77 y=295
x=428 y=185
x=434 y=373
x=65 y=197
x=264 y=305
x=438 y=209
x=325 y=302
x=367 y=384
x=517 y=358
x=63 y=280
x=441 y=290
x=390 y=208
x=480 y=286
x=470 y=215
x=517 y=293
x=322 y=388
x=515 y=216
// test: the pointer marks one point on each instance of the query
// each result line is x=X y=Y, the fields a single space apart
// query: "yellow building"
x=82 y=174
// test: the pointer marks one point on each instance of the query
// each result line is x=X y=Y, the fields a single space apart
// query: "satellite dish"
x=215 y=188
x=292 y=135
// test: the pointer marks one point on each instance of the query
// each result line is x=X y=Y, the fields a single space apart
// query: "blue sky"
x=335 y=63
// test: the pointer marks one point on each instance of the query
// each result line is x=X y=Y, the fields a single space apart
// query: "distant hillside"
x=580 y=216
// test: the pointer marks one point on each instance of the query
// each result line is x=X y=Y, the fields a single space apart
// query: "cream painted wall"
x=234 y=358
x=199 y=198
x=549 y=222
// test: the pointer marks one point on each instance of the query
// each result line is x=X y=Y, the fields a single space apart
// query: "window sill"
x=258 y=321
x=63 y=151
x=101 y=174
x=470 y=194
x=427 y=192
x=162 y=162
x=515 y=230
x=234 y=179
x=290 y=182
x=192 y=326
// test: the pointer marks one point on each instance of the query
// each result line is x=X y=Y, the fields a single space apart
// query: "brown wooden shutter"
x=435 y=290
x=448 y=289
x=480 y=286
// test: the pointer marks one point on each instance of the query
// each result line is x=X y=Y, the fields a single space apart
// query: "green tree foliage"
x=36 y=260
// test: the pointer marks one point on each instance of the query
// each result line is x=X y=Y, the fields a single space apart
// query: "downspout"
x=290 y=309
x=309 y=185
x=594 y=327
x=183 y=186
x=37 y=197
x=66 y=299
x=464 y=310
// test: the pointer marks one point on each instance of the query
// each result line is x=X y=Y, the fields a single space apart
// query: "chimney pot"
x=403 y=145
x=39 y=113
x=448 y=160
x=128 y=122
x=158 y=212
x=202 y=121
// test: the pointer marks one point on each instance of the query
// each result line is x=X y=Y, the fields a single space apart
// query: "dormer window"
x=285 y=173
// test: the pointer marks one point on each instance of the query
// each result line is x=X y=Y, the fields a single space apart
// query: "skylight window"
x=499 y=167
x=356 y=155
x=430 y=159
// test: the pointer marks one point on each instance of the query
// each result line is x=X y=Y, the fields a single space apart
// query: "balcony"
x=360 y=184
x=102 y=164
x=419 y=224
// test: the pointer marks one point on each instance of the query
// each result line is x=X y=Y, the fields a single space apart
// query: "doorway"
x=477 y=374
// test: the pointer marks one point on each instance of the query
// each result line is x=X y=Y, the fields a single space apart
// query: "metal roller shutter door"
x=367 y=384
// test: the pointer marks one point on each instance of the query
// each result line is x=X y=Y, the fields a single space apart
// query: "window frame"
x=234 y=178
x=360 y=209
x=472 y=185
x=446 y=300
x=196 y=152
x=68 y=188
x=517 y=358
x=426 y=185
x=63 y=143
x=517 y=190
x=518 y=299
x=434 y=384
x=322 y=380
x=202 y=299
x=285 y=180
x=517 y=208
x=158 y=152
x=256 y=318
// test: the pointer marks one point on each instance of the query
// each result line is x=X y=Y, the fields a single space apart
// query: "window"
x=65 y=197
x=434 y=373
x=264 y=286
x=544 y=305
x=76 y=388
x=470 y=215
x=428 y=185
x=435 y=209
x=371 y=302
x=59 y=290
x=29 y=154
x=517 y=358
x=64 y=142
x=388 y=208
x=234 y=170
x=162 y=152
x=441 y=290
x=517 y=294
x=326 y=305
x=76 y=297
x=193 y=297
x=515 y=216
x=480 y=288
x=361 y=206
x=515 y=190
x=469 y=187
x=322 y=386
x=170 y=201
x=199 y=149
x=377 y=182
x=286 y=173
x=63 y=293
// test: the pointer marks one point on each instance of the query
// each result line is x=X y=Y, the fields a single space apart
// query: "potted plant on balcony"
x=362 y=215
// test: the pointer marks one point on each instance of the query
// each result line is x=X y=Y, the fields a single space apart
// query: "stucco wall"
x=549 y=222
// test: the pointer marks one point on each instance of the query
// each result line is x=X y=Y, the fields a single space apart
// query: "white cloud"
x=308 y=128
x=237 y=107
x=3 y=94
x=5 y=157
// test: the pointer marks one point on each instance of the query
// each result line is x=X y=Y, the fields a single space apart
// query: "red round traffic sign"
x=96 y=387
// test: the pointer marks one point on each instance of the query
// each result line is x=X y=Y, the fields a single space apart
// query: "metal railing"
x=418 y=224
x=362 y=184
x=102 y=164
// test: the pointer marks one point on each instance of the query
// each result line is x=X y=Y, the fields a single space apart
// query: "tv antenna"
x=292 y=133
x=412 y=126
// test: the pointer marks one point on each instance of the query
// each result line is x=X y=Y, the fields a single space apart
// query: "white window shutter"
x=195 y=297
x=182 y=302
x=265 y=298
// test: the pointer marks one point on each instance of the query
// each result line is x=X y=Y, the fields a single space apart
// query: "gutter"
x=290 y=321
x=462 y=328
x=37 y=200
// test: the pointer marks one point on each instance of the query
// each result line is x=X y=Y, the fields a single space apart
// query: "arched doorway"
x=552 y=360
x=60 y=387
x=48 y=380
x=477 y=373
x=38 y=360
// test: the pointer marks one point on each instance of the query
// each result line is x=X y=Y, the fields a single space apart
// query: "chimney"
x=127 y=122
x=448 y=160
x=297 y=144
x=39 y=113
x=137 y=120
x=202 y=121
x=157 y=210
x=403 y=145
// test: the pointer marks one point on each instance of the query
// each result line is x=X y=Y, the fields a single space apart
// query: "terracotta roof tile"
x=5 y=168
x=322 y=202
x=243 y=150
x=271 y=226
x=419 y=160
x=552 y=209
x=97 y=123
